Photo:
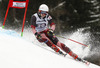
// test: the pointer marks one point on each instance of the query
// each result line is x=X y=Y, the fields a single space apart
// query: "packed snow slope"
x=16 y=52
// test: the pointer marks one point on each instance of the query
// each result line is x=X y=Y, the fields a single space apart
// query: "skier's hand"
x=38 y=36
x=50 y=30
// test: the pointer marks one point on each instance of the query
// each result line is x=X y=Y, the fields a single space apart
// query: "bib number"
x=41 y=25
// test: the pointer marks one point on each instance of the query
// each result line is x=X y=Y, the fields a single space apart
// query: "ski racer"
x=40 y=28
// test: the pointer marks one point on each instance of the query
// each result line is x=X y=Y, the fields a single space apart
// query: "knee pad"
x=50 y=34
x=52 y=37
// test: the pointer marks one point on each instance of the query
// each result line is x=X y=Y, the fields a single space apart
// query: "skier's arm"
x=52 y=24
x=33 y=24
x=33 y=30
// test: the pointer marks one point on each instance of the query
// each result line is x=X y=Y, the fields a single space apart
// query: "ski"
x=86 y=62
x=58 y=53
x=83 y=61
x=64 y=55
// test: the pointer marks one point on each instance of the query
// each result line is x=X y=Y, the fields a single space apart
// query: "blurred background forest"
x=67 y=14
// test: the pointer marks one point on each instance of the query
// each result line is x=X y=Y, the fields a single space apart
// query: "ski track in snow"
x=17 y=52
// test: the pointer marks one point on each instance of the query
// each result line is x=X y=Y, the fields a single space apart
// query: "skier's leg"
x=49 y=43
x=67 y=50
x=55 y=40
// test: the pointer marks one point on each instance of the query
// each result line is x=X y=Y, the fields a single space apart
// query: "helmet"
x=44 y=7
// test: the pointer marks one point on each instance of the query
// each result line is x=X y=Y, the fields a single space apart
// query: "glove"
x=38 y=36
x=50 y=30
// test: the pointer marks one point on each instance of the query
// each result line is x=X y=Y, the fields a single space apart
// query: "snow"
x=17 y=52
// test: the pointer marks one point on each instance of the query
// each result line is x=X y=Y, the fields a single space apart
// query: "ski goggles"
x=44 y=12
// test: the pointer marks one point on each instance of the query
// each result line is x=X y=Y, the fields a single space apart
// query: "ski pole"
x=73 y=40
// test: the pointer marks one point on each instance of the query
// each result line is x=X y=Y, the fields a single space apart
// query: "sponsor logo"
x=16 y=4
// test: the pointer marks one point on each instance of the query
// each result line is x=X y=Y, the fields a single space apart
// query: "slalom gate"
x=19 y=5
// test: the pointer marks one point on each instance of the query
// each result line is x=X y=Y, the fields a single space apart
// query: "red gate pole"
x=24 y=17
x=6 y=14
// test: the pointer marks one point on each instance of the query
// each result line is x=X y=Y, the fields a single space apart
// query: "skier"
x=39 y=25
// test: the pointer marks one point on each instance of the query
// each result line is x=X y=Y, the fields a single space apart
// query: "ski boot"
x=86 y=62
x=60 y=52
x=79 y=59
